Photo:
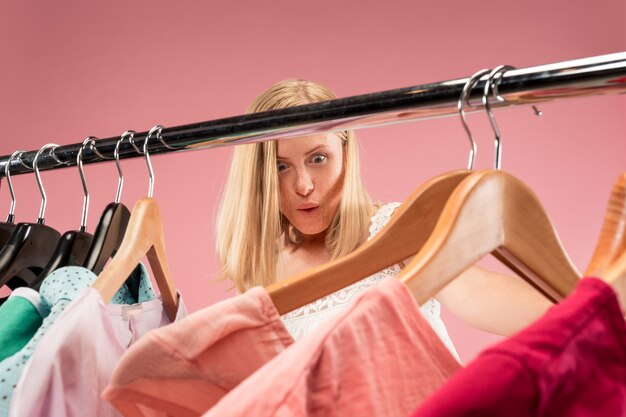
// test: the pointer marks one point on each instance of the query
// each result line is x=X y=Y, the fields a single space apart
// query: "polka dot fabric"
x=146 y=292
x=57 y=292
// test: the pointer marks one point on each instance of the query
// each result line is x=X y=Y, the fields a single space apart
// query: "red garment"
x=571 y=362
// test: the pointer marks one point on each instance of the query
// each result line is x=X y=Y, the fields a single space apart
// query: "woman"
x=294 y=204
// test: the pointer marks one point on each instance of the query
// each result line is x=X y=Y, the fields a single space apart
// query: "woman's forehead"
x=306 y=144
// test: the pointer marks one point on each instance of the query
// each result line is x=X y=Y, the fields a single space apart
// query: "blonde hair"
x=249 y=223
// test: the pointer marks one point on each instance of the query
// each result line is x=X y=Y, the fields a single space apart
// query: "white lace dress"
x=303 y=320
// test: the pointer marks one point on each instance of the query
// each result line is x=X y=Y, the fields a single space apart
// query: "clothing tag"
x=130 y=310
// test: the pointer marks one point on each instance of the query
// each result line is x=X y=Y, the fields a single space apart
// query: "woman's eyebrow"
x=317 y=148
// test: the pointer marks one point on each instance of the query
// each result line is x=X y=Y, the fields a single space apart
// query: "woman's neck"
x=312 y=240
x=298 y=257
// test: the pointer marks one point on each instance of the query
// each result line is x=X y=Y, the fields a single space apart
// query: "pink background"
x=75 y=68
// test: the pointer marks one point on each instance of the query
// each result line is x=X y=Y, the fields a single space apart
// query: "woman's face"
x=310 y=174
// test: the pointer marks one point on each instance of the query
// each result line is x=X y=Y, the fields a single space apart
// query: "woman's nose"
x=304 y=185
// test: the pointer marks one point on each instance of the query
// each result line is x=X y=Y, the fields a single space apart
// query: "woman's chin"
x=310 y=233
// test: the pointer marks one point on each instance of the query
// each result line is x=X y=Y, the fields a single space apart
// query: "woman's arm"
x=493 y=302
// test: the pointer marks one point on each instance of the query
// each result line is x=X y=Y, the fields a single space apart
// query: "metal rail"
x=599 y=75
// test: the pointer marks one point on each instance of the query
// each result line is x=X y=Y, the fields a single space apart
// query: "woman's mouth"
x=308 y=208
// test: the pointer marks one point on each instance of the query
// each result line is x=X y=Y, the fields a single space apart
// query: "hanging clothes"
x=66 y=377
x=185 y=368
x=377 y=358
x=20 y=317
x=57 y=291
x=304 y=320
x=84 y=345
x=571 y=362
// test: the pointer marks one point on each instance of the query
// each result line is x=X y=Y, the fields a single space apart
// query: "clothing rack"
x=605 y=74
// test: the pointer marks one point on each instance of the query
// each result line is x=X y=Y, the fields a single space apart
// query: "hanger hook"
x=52 y=147
x=492 y=84
x=130 y=134
x=463 y=100
x=7 y=174
x=496 y=131
x=156 y=129
x=116 y=157
x=89 y=141
x=496 y=82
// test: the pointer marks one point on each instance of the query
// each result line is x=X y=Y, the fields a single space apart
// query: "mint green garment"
x=19 y=321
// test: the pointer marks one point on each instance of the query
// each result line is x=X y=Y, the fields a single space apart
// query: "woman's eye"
x=282 y=167
x=318 y=159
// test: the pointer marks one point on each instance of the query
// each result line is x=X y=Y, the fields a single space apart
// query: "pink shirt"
x=76 y=357
x=379 y=357
x=571 y=362
x=183 y=369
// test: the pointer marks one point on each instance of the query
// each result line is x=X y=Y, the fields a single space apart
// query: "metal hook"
x=52 y=154
x=160 y=138
x=492 y=83
x=156 y=129
x=496 y=82
x=498 y=142
x=7 y=174
x=19 y=159
x=42 y=210
x=137 y=148
x=92 y=146
x=55 y=157
x=463 y=99
x=130 y=134
x=90 y=140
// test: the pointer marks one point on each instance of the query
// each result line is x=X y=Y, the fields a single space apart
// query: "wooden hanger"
x=609 y=259
x=401 y=238
x=492 y=212
x=408 y=230
x=612 y=241
x=615 y=276
x=144 y=236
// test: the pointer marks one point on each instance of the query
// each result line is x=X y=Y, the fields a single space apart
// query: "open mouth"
x=308 y=210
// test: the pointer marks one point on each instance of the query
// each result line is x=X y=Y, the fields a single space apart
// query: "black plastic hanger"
x=6 y=228
x=112 y=227
x=73 y=246
x=31 y=245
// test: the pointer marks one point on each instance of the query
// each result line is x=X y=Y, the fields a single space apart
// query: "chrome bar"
x=599 y=75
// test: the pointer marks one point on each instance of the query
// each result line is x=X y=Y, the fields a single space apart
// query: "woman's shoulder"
x=381 y=216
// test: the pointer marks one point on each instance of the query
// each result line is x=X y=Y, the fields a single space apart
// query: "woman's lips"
x=304 y=206
x=309 y=210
